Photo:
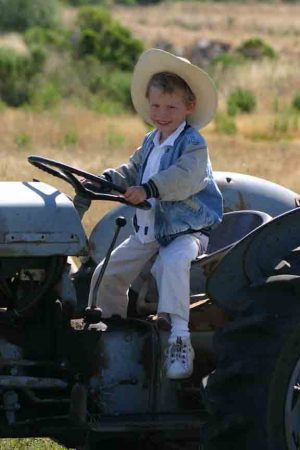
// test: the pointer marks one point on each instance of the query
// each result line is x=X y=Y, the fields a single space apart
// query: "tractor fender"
x=242 y=191
x=253 y=260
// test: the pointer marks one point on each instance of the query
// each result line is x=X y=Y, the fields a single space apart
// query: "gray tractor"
x=90 y=383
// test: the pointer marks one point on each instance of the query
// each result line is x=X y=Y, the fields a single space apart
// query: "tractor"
x=90 y=383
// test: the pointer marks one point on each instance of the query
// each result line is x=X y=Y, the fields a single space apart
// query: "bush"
x=44 y=95
x=105 y=106
x=47 y=37
x=229 y=60
x=85 y=80
x=22 y=14
x=104 y=81
x=59 y=80
x=241 y=100
x=137 y=2
x=256 y=48
x=225 y=124
x=23 y=140
x=107 y=40
x=3 y=106
x=90 y=2
x=16 y=71
x=296 y=101
x=111 y=2
x=71 y=138
x=113 y=84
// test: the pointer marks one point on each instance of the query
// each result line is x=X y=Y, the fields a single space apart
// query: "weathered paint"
x=37 y=220
x=248 y=192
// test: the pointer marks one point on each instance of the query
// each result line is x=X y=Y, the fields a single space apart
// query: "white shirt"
x=146 y=218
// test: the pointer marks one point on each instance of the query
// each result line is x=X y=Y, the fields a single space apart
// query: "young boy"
x=172 y=170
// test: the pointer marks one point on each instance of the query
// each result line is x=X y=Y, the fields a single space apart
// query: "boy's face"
x=168 y=110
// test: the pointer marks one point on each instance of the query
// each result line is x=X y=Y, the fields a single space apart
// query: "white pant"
x=171 y=270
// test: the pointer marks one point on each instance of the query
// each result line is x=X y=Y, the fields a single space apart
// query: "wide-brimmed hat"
x=154 y=61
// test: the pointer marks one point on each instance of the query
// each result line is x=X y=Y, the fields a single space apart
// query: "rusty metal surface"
x=122 y=382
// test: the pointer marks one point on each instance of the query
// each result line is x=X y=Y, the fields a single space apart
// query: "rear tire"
x=284 y=401
x=238 y=392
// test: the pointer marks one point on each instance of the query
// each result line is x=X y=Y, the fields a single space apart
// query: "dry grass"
x=183 y=23
x=266 y=144
x=103 y=141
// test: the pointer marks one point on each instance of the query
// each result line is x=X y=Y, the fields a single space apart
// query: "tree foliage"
x=18 y=15
x=241 y=100
x=103 y=37
x=16 y=71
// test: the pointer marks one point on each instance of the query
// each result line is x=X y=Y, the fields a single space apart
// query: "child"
x=172 y=170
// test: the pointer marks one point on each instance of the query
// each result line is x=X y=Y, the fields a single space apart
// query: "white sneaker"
x=179 y=358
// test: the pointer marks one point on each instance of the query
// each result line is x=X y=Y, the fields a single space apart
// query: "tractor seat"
x=235 y=225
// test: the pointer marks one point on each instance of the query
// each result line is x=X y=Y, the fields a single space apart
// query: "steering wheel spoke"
x=67 y=173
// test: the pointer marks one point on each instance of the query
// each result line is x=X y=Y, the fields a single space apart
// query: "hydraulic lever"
x=93 y=313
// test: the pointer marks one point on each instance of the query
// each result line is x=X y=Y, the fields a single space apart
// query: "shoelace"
x=178 y=351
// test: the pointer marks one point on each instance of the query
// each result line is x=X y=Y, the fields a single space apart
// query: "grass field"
x=94 y=142
x=266 y=143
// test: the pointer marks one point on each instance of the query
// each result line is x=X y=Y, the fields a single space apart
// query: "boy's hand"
x=135 y=195
x=95 y=186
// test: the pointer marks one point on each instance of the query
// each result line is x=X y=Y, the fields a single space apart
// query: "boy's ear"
x=191 y=107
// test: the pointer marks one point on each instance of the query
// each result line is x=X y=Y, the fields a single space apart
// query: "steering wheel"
x=67 y=173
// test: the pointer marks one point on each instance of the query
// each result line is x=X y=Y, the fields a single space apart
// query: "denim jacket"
x=189 y=198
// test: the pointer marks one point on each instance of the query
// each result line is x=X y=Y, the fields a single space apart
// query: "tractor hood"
x=38 y=220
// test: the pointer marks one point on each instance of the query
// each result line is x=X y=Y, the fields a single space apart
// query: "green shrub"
x=296 y=101
x=43 y=96
x=119 y=87
x=256 y=48
x=225 y=124
x=71 y=138
x=90 y=2
x=102 y=36
x=113 y=84
x=16 y=72
x=114 y=139
x=241 y=100
x=105 y=106
x=22 y=14
x=38 y=56
x=111 y=2
x=47 y=37
x=285 y=123
x=80 y=80
x=137 y=2
x=3 y=106
x=229 y=60
x=23 y=140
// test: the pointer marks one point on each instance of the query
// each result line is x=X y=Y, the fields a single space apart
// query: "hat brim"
x=154 y=61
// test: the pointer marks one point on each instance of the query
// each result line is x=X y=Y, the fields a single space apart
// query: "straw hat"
x=154 y=61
